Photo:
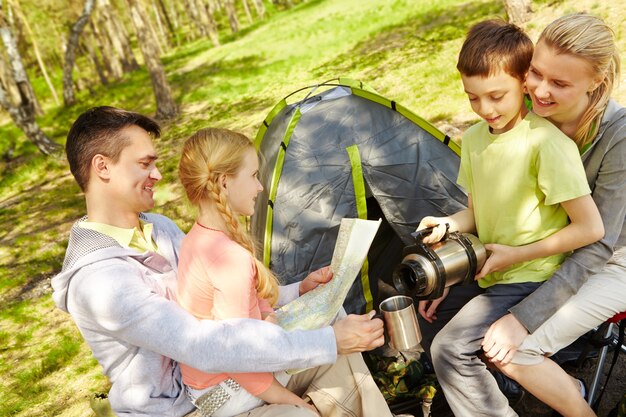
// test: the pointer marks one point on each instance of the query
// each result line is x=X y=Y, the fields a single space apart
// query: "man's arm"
x=125 y=308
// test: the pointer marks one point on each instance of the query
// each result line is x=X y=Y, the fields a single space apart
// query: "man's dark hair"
x=98 y=131
x=492 y=45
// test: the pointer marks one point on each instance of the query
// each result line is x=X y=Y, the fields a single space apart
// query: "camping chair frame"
x=609 y=338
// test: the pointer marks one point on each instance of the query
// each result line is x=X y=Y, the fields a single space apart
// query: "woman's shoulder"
x=614 y=115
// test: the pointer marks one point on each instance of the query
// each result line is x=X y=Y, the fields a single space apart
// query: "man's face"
x=133 y=176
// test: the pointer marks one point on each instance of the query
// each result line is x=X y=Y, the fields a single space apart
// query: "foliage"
x=405 y=49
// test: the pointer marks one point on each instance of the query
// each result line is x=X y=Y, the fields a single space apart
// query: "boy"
x=524 y=179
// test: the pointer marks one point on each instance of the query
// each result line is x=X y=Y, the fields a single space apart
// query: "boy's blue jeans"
x=469 y=387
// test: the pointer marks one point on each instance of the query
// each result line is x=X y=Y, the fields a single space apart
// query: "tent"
x=345 y=151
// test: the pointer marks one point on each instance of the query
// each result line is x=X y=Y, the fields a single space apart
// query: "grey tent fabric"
x=408 y=174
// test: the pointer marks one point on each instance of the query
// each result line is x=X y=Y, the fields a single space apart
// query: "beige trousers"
x=343 y=389
x=599 y=299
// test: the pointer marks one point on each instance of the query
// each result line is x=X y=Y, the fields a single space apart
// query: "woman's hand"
x=500 y=258
x=503 y=338
x=315 y=278
x=428 y=308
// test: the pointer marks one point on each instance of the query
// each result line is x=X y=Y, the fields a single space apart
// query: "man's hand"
x=315 y=278
x=358 y=333
x=428 y=308
x=503 y=338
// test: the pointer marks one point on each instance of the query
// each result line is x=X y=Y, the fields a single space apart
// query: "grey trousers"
x=469 y=387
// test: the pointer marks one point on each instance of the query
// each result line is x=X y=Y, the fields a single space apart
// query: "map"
x=318 y=307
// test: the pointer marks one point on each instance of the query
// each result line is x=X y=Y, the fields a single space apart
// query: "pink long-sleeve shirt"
x=216 y=281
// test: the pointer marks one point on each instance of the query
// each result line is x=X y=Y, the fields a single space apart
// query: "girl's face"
x=243 y=187
x=558 y=84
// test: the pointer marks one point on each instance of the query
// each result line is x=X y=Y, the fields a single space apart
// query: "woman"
x=572 y=73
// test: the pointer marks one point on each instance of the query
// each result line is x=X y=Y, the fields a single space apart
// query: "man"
x=119 y=277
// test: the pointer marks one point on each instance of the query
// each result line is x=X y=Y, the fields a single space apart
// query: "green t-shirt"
x=517 y=180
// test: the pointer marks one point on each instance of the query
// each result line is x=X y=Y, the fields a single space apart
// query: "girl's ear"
x=223 y=181
x=100 y=165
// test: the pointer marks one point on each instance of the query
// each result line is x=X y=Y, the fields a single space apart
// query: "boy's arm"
x=462 y=221
x=585 y=227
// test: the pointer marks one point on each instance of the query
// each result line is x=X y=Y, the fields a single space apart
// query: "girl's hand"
x=503 y=338
x=315 y=278
x=269 y=317
x=501 y=257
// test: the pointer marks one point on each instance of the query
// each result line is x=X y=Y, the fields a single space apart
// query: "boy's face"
x=497 y=98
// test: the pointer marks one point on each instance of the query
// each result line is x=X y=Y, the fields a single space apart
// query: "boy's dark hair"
x=492 y=45
x=97 y=131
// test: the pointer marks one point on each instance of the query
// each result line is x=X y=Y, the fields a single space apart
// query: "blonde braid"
x=266 y=283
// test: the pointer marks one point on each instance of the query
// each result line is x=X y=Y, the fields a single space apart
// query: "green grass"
x=405 y=49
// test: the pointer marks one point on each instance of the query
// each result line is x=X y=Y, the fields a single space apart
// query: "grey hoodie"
x=121 y=301
x=605 y=166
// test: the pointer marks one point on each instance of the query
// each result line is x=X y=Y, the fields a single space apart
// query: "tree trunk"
x=166 y=107
x=129 y=61
x=157 y=16
x=209 y=22
x=153 y=32
x=109 y=40
x=246 y=7
x=70 y=53
x=18 y=73
x=7 y=82
x=192 y=11
x=93 y=55
x=33 y=41
x=229 y=5
x=518 y=11
x=170 y=27
x=111 y=58
x=260 y=8
x=24 y=118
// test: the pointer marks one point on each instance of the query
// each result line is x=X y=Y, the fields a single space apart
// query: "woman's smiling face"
x=558 y=84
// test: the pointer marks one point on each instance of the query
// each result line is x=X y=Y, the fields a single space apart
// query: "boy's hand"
x=503 y=338
x=428 y=308
x=315 y=278
x=500 y=258
x=439 y=231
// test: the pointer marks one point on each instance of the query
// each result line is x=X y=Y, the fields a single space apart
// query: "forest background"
x=220 y=63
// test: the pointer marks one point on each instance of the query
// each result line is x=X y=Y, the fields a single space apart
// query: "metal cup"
x=401 y=322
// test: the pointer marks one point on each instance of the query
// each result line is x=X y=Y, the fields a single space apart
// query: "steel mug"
x=401 y=322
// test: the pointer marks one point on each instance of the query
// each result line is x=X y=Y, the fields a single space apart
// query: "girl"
x=219 y=277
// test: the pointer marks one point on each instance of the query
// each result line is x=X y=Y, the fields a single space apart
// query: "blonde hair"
x=207 y=155
x=590 y=38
